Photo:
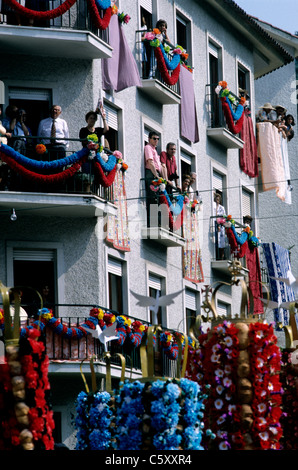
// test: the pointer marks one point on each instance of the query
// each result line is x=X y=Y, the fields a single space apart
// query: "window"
x=115 y=284
x=35 y=269
x=183 y=34
x=215 y=74
x=243 y=79
x=223 y=308
x=219 y=185
x=35 y=101
x=156 y=285
x=247 y=206
x=191 y=307
x=146 y=13
x=112 y=136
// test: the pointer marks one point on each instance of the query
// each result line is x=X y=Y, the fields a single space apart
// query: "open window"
x=191 y=307
x=183 y=34
x=215 y=75
x=112 y=137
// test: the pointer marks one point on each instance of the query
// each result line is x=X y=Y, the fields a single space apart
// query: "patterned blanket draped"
x=269 y=150
x=278 y=264
x=249 y=153
x=191 y=252
x=117 y=226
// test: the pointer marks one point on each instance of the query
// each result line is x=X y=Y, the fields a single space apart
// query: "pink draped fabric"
x=188 y=112
x=120 y=71
x=249 y=153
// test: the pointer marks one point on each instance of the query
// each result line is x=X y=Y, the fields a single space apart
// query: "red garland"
x=105 y=180
x=238 y=250
x=41 y=14
x=234 y=128
x=169 y=79
x=100 y=23
x=173 y=224
x=36 y=177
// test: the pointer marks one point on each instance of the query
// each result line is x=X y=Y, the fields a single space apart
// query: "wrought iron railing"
x=78 y=17
x=147 y=64
x=67 y=348
x=83 y=182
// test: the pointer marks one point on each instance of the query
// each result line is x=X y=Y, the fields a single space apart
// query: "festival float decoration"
x=234 y=118
x=154 y=412
x=26 y=419
x=289 y=380
x=240 y=360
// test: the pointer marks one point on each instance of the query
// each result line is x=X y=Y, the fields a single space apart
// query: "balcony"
x=79 y=195
x=67 y=351
x=217 y=129
x=153 y=84
x=156 y=227
x=223 y=259
x=70 y=36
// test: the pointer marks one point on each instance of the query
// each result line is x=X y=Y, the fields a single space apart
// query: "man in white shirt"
x=53 y=132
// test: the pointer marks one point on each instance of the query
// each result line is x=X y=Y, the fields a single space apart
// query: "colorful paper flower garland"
x=163 y=63
x=234 y=119
x=239 y=243
x=105 y=166
x=182 y=202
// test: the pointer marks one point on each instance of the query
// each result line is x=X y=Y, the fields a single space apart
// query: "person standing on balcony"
x=168 y=163
x=14 y=123
x=220 y=232
x=267 y=113
x=52 y=128
x=153 y=169
x=91 y=118
x=162 y=26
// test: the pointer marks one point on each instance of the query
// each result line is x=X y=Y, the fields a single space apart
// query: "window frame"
x=178 y=12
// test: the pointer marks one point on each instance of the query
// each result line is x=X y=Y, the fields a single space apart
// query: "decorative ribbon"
x=168 y=79
x=235 y=128
x=105 y=180
x=109 y=165
x=100 y=23
x=38 y=178
x=50 y=14
x=171 y=64
x=43 y=165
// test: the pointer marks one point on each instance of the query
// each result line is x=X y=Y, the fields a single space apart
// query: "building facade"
x=60 y=235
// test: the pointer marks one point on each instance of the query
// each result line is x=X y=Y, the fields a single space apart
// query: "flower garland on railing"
x=101 y=23
x=18 y=163
x=182 y=202
x=163 y=63
x=239 y=243
x=55 y=13
x=105 y=165
x=233 y=118
x=127 y=330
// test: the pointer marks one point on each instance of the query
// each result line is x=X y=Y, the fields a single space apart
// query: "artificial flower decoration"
x=40 y=149
x=123 y=18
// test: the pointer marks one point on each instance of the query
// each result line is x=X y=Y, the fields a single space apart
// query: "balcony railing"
x=60 y=347
x=83 y=182
x=78 y=17
x=147 y=64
